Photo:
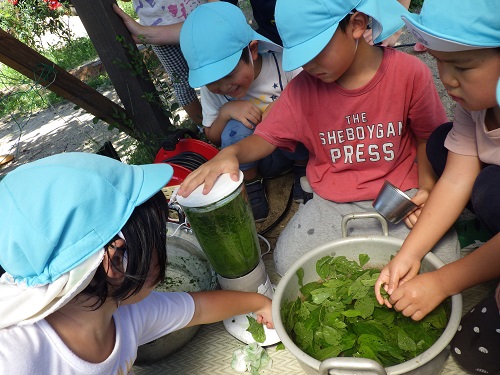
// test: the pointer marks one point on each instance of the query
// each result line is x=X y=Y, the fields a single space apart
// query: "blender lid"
x=223 y=187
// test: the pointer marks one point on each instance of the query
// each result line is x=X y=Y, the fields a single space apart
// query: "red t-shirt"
x=358 y=138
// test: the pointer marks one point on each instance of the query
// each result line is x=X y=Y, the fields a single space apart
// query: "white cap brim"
x=433 y=42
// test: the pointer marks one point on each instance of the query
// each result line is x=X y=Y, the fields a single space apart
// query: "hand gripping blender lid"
x=223 y=223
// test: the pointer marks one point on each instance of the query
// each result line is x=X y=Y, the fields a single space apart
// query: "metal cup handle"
x=364 y=215
x=350 y=365
x=174 y=206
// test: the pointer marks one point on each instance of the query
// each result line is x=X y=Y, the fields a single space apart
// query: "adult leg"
x=175 y=65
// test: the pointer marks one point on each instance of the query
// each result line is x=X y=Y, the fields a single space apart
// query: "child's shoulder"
x=401 y=65
x=405 y=60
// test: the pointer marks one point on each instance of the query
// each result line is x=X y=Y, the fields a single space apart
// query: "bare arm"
x=448 y=199
x=445 y=204
x=426 y=181
x=241 y=110
x=214 y=306
x=228 y=160
x=156 y=35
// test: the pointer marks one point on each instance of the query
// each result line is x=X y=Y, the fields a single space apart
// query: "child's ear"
x=113 y=263
x=254 y=49
x=358 y=23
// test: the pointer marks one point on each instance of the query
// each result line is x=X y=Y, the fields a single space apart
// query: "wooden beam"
x=103 y=26
x=30 y=63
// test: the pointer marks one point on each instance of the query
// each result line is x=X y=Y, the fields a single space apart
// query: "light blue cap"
x=306 y=26
x=212 y=38
x=59 y=210
x=456 y=25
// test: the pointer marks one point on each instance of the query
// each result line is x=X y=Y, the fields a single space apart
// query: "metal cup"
x=392 y=203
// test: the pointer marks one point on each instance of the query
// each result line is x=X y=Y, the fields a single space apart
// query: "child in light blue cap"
x=240 y=75
x=83 y=244
x=464 y=38
x=364 y=112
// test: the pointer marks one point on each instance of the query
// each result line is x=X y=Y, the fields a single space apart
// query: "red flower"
x=51 y=4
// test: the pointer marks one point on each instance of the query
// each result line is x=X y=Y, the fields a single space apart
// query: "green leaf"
x=383 y=293
x=300 y=276
x=320 y=295
x=256 y=329
x=405 y=342
x=280 y=346
x=363 y=259
x=351 y=313
x=365 y=306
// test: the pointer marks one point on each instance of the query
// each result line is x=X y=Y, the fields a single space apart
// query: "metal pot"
x=188 y=270
x=379 y=249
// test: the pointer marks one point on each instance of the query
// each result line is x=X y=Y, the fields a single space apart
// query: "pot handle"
x=351 y=365
x=364 y=215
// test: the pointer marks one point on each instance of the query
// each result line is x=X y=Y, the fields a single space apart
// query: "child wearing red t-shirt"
x=364 y=113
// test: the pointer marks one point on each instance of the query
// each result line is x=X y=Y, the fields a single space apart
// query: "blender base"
x=255 y=281
x=237 y=326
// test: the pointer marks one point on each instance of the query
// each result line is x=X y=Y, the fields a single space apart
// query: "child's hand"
x=418 y=296
x=264 y=315
x=399 y=270
x=389 y=42
x=243 y=111
x=419 y=199
x=223 y=162
x=132 y=25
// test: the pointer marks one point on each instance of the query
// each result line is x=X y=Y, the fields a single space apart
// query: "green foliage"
x=256 y=329
x=22 y=96
x=340 y=316
x=29 y=20
x=74 y=53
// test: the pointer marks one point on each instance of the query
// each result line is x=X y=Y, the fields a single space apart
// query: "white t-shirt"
x=164 y=12
x=469 y=136
x=264 y=90
x=37 y=349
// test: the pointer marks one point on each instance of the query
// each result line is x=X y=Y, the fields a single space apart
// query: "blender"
x=223 y=224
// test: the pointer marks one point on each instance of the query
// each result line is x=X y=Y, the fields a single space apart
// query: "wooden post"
x=103 y=26
x=27 y=61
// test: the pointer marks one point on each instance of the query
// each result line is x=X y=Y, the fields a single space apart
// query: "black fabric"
x=476 y=344
x=263 y=13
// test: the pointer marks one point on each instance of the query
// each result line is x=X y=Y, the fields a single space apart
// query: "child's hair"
x=245 y=55
x=145 y=234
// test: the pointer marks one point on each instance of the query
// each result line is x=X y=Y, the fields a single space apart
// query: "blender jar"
x=223 y=224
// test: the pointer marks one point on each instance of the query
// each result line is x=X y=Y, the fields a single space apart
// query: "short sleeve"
x=462 y=137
